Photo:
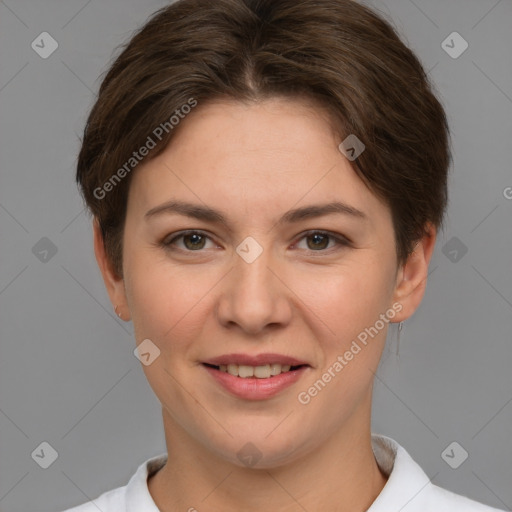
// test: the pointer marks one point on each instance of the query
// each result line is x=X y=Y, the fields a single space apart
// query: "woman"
x=267 y=179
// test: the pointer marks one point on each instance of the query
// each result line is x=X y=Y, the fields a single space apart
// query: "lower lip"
x=252 y=388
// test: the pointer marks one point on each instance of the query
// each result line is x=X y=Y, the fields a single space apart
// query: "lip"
x=253 y=388
x=257 y=360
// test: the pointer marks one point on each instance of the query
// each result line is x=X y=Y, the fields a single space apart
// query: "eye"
x=320 y=240
x=194 y=241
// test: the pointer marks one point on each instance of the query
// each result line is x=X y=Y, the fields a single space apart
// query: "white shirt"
x=408 y=488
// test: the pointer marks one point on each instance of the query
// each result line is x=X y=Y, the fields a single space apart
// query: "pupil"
x=316 y=237
x=196 y=239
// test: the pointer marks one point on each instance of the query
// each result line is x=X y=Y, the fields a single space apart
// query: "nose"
x=255 y=297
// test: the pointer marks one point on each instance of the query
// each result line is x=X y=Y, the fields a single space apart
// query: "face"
x=273 y=281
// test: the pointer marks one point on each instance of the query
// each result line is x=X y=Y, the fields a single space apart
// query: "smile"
x=260 y=372
x=255 y=382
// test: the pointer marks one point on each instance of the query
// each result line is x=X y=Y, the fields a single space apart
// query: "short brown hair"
x=338 y=53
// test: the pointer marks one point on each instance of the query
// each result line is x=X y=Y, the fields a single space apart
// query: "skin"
x=254 y=163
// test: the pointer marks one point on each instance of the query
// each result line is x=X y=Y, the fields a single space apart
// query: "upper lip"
x=257 y=360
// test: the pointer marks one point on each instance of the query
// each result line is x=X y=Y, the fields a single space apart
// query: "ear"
x=412 y=276
x=113 y=283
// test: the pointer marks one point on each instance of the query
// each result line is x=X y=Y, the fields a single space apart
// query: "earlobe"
x=113 y=283
x=412 y=275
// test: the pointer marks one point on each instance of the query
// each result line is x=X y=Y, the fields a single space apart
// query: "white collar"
x=408 y=488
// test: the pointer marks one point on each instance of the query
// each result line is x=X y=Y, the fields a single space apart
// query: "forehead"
x=253 y=156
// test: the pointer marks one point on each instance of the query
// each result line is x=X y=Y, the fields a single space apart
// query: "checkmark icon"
x=454 y=249
x=44 y=250
x=249 y=455
x=249 y=249
x=146 y=352
x=454 y=45
x=44 y=45
x=44 y=455
x=454 y=455
x=352 y=147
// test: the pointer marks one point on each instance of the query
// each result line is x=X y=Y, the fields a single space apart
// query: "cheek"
x=165 y=300
x=348 y=298
x=168 y=308
x=350 y=303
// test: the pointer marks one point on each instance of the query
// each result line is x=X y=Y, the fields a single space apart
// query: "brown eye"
x=193 y=241
x=319 y=241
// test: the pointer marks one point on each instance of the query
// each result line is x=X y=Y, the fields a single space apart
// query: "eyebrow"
x=208 y=214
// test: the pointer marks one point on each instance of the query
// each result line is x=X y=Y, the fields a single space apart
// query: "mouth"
x=266 y=371
x=258 y=377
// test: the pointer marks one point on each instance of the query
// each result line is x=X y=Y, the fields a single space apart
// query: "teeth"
x=260 y=372
x=233 y=369
x=245 y=371
x=275 y=369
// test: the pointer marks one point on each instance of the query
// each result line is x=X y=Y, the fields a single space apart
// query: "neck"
x=341 y=474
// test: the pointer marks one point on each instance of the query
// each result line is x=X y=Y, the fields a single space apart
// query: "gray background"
x=68 y=375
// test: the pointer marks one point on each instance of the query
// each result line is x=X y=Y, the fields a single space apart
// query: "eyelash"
x=339 y=240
